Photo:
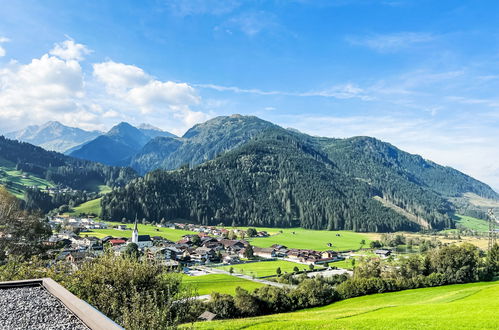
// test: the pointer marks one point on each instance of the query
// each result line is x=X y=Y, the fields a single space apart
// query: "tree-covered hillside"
x=274 y=180
x=61 y=169
x=278 y=177
x=199 y=144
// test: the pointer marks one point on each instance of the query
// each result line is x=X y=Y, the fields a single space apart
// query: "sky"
x=422 y=75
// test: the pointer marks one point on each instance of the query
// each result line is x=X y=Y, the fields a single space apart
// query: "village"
x=206 y=247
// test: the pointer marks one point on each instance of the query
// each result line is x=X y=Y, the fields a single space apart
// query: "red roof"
x=117 y=241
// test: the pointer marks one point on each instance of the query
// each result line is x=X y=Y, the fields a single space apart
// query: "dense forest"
x=286 y=178
x=274 y=180
x=61 y=169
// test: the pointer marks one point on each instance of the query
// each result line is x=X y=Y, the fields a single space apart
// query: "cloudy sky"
x=421 y=74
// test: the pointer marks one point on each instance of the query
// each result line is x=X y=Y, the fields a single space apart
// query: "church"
x=142 y=241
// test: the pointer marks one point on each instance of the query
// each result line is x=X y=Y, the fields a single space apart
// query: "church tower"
x=135 y=233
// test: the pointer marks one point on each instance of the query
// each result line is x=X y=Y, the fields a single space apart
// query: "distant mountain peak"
x=149 y=126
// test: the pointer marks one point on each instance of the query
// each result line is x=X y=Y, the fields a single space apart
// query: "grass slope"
x=18 y=181
x=311 y=239
x=463 y=306
x=92 y=206
x=264 y=268
x=171 y=234
x=221 y=283
x=471 y=223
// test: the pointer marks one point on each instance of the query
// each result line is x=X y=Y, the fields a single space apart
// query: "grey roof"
x=35 y=308
x=143 y=238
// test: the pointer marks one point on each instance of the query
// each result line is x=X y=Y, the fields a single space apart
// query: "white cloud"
x=119 y=77
x=392 y=42
x=47 y=87
x=54 y=87
x=3 y=52
x=344 y=91
x=164 y=101
x=69 y=50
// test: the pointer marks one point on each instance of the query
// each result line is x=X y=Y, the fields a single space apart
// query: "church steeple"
x=135 y=233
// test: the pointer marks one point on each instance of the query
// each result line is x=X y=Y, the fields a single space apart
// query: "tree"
x=362 y=243
x=375 y=244
x=251 y=232
x=493 y=258
x=296 y=269
x=278 y=271
x=22 y=232
x=132 y=251
x=459 y=263
x=248 y=252
x=135 y=294
x=247 y=304
x=223 y=305
x=311 y=267
x=196 y=240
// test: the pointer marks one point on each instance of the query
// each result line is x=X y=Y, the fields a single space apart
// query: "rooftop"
x=44 y=304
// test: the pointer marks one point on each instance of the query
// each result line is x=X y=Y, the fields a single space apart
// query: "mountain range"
x=53 y=136
x=242 y=170
x=253 y=172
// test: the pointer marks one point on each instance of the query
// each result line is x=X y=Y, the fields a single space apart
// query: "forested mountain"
x=274 y=180
x=61 y=169
x=53 y=136
x=282 y=177
x=118 y=145
x=152 y=131
x=200 y=143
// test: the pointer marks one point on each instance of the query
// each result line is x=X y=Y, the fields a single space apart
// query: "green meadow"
x=463 y=306
x=16 y=181
x=264 y=268
x=471 y=223
x=92 y=206
x=301 y=238
x=170 y=234
x=221 y=283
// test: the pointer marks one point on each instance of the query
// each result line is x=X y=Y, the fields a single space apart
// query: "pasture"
x=16 y=181
x=463 y=306
x=264 y=268
x=90 y=207
x=221 y=283
x=463 y=221
x=300 y=238
x=170 y=234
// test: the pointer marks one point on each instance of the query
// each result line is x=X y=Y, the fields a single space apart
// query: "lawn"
x=171 y=234
x=300 y=238
x=220 y=283
x=264 y=268
x=92 y=206
x=463 y=306
x=471 y=223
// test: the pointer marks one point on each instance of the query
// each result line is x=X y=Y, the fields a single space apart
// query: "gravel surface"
x=34 y=308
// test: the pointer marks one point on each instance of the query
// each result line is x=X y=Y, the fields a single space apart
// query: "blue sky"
x=423 y=75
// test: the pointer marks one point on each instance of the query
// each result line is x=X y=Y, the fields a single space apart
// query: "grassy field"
x=92 y=206
x=300 y=238
x=19 y=180
x=464 y=306
x=264 y=268
x=220 y=283
x=471 y=223
x=171 y=234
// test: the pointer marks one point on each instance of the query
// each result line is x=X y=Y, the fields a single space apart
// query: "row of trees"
x=445 y=265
